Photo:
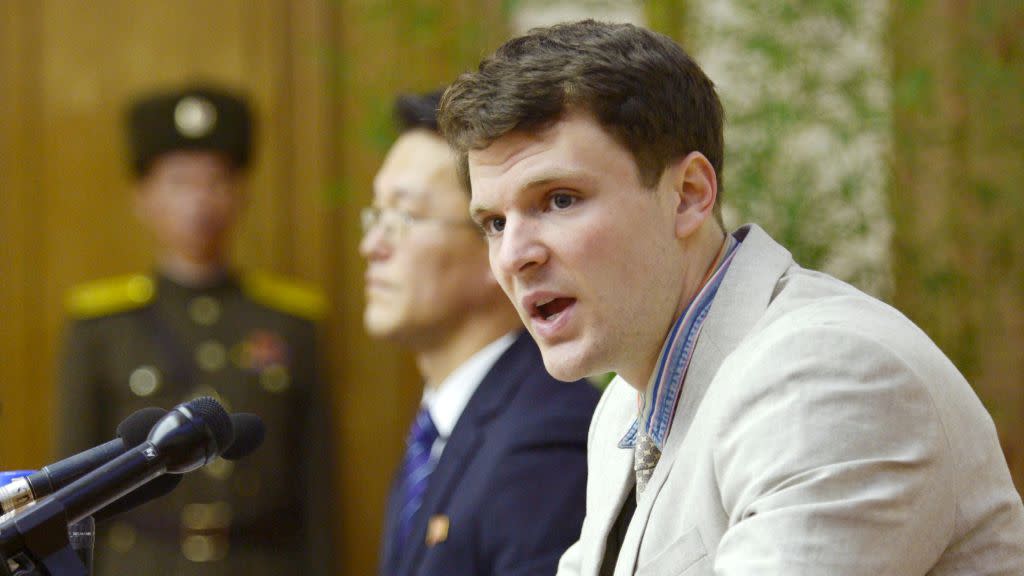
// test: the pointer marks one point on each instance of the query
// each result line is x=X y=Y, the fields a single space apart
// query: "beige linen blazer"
x=819 y=432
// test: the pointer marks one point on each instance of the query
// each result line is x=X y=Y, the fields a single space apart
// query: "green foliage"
x=915 y=90
x=510 y=7
x=601 y=381
x=803 y=85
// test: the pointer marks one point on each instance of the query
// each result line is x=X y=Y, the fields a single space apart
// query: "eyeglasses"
x=395 y=223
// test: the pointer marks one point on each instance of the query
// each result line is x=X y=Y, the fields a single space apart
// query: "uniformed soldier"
x=196 y=326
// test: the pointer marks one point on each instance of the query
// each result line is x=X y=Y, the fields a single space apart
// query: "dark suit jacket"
x=511 y=481
x=278 y=498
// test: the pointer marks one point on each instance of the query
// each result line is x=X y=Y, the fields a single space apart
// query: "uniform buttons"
x=211 y=356
x=202 y=516
x=144 y=381
x=204 y=310
x=219 y=469
x=203 y=548
x=275 y=379
x=212 y=521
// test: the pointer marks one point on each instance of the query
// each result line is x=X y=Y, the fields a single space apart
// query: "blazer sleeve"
x=831 y=459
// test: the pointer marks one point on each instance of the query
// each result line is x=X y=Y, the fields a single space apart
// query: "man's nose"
x=374 y=244
x=521 y=247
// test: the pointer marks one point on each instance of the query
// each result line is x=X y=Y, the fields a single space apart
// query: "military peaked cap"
x=195 y=118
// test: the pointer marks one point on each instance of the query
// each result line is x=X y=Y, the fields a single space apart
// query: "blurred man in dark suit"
x=495 y=467
x=197 y=326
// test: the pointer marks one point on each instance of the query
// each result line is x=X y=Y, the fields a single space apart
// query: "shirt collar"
x=447 y=401
x=657 y=406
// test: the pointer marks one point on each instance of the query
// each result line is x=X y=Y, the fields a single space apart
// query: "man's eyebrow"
x=543 y=181
x=397 y=195
x=555 y=178
x=477 y=210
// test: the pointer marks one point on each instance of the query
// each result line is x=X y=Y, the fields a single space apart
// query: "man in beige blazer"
x=766 y=419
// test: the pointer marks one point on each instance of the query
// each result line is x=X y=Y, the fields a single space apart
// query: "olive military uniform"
x=145 y=341
x=248 y=340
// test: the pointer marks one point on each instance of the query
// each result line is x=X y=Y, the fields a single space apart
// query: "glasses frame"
x=395 y=223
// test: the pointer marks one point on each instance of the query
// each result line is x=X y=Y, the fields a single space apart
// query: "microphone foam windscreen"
x=249 y=433
x=215 y=418
x=134 y=429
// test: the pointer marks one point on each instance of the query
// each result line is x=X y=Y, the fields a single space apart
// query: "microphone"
x=186 y=438
x=249 y=433
x=155 y=488
x=131 y=432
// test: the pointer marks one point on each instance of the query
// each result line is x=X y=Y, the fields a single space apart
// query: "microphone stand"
x=36 y=543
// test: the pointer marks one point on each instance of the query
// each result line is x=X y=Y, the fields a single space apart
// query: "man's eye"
x=493 y=226
x=561 y=201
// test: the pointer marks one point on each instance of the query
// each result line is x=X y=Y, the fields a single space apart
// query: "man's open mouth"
x=550 y=308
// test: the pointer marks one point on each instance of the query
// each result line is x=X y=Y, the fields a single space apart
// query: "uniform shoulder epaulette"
x=286 y=295
x=110 y=296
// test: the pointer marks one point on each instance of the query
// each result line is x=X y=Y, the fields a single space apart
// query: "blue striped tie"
x=416 y=469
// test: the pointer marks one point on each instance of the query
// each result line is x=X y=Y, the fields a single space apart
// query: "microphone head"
x=134 y=429
x=216 y=419
x=192 y=434
x=249 y=434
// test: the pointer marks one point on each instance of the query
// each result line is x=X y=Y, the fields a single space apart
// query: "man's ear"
x=695 y=186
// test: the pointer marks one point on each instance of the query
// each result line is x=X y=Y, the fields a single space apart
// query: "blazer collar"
x=745 y=293
x=492 y=396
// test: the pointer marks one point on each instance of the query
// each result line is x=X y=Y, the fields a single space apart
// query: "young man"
x=766 y=419
x=196 y=326
x=494 y=476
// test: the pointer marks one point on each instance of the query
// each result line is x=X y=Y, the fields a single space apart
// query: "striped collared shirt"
x=657 y=407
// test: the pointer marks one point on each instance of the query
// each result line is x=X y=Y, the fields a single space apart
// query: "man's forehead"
x=508 y=150
x=192 y=159
x=417 y=156
x=420 y=141
x=507 y=166
x=389 y=194
x=574 y=129
x=570 y=150
x=428 y=186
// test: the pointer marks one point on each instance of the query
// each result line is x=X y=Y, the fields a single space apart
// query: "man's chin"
x=564 y=366
x=378 y=327
x=198 y=251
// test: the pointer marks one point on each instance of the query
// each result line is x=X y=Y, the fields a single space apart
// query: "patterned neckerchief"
x=657 y=408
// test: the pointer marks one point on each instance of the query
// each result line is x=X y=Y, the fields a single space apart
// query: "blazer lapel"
x=607 y=494
x=742 y=299
x=389 y=557
x=490 y=398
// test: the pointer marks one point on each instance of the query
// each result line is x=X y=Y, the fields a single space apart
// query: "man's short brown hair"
x=641 y=86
